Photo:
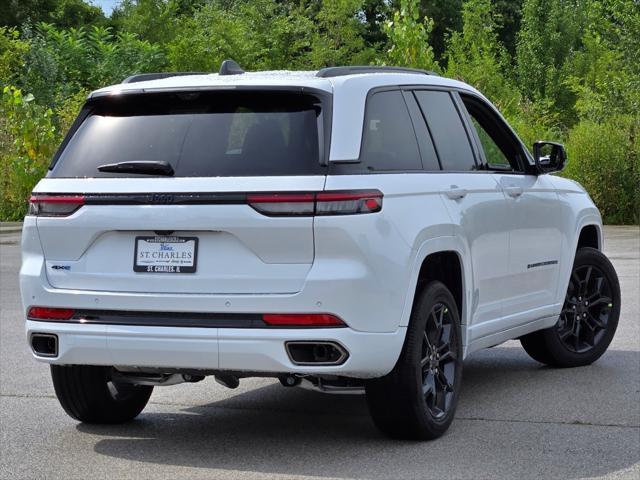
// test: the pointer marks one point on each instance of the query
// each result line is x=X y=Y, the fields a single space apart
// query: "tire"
x=398 y=404
x=589 y=316
x=87 y=394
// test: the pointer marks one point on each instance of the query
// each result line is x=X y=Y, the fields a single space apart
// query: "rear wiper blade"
x=144 y=167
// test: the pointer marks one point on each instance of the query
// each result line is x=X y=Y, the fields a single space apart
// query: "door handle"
x=514 y=192
x=456 y=193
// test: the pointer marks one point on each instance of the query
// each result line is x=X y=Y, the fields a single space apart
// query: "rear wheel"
x=589 y=316
x=417 y=400
x=88 y=394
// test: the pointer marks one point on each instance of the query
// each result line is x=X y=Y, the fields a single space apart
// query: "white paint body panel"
x=363 y=268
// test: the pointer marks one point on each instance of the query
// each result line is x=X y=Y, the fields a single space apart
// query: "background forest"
x=564 y=70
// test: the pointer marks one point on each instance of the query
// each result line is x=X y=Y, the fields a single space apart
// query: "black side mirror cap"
x=549 y=156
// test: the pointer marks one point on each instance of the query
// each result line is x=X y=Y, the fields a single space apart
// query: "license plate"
x=165 y=254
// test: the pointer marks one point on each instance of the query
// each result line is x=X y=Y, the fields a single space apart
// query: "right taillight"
x=322 y=203
x=54 y=205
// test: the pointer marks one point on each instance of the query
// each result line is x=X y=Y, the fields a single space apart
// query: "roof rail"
x=143 y=77
x=354 y=69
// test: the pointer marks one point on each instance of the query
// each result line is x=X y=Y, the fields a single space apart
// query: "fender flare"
x=585 y=220
x=436 y=245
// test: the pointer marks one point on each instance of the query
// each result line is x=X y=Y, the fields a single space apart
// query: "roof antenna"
x=230 y=67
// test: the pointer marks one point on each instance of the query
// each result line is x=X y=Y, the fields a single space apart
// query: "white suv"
x=355 y=228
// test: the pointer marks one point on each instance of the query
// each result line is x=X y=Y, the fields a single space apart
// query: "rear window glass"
x=389 y=140
x=448 y=132
x=200 y=134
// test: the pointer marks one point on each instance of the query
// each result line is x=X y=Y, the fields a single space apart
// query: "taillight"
x=54 y=205
x=348 y=203
x=283 y=204
x=50 y=313
x=322 y=203
x=302 y=320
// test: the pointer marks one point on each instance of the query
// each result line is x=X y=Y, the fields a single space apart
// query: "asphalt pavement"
x=516 y=418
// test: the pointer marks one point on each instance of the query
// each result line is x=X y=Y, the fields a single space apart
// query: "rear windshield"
x=202 y=134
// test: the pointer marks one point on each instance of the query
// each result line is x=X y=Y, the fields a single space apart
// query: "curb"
x=10 y=227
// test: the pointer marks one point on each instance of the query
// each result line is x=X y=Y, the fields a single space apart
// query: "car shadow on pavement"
x=516 y=418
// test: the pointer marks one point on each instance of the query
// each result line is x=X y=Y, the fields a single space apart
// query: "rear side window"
x=389 y=141
x=200 y=134
x=445 y=125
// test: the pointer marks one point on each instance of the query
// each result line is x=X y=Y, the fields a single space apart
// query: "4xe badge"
x=61 y=267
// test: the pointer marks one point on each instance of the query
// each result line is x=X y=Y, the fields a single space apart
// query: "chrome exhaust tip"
x=44 y=344
x=312 y=352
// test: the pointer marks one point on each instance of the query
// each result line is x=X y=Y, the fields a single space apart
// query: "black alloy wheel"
x=417 y=400
x=587 y=308
x=589 y=316
x=438 y=361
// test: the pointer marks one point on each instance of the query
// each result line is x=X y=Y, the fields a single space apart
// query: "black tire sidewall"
x=83 y=393
x=434 y=293
x=396 y=402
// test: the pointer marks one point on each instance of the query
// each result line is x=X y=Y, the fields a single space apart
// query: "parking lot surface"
x=516 y=418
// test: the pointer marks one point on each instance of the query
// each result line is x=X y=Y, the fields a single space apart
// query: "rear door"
x=535 y=223
x=476 y=205
x=199 y=230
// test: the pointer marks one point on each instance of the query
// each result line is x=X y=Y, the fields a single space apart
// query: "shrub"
x=28 y=142
x=605 y=158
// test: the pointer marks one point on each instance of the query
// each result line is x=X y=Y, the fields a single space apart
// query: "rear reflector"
x=303 y=320
x=50 y=313
x=54 y=205
x=322 y=203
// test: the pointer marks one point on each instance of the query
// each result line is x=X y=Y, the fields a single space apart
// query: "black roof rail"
x=143 y=77
x=230 y=67
x=351 y=70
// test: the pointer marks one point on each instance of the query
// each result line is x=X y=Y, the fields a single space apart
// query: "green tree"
x=476 y=56
x=446 y=16
x=61 y=13
x=151 y=20
x=61 y=62
x=551 y=31
x=509 y=14
x=409 y=38
x=16 y=12
x=27 y=143
x=604 y=74
x=338 y=35
x=13 y=52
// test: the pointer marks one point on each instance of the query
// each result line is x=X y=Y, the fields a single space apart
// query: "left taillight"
x=54 y=205
x=50 y=313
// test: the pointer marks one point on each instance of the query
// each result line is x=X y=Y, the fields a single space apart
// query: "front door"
x=533 y=220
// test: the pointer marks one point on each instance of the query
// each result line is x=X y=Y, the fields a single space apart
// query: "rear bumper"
x=219 y=349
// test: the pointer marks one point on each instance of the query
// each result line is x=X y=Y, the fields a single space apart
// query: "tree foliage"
x=562 y=70
x=408 y=34
x=477 y=57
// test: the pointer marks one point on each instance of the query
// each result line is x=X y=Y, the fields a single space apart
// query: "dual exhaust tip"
x=44 y=344
x=316 y=353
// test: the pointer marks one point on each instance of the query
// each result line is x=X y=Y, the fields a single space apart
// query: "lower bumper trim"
x=174 y=319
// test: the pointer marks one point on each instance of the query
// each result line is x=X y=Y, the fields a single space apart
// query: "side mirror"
x=549 y=156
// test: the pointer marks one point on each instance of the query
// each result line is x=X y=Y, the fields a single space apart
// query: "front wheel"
x=589 y=316
x=417 y=399
x=87 y=393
